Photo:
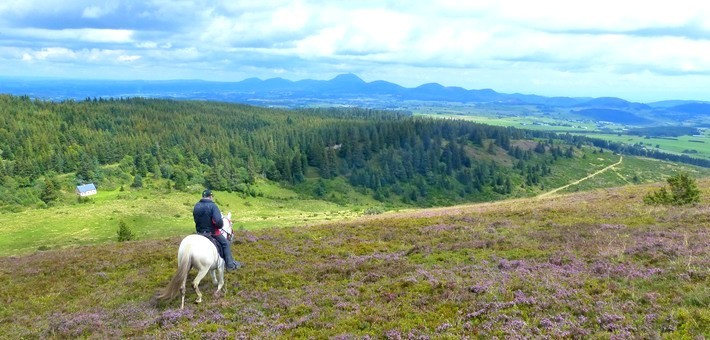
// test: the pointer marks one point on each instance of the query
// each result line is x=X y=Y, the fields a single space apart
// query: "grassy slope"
x=701 y=144
x=154 y=214
x=644 y=170
x=677 y=145
x=593 y=264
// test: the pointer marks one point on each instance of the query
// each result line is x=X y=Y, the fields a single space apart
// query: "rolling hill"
x=589 y=265
x=693 y=109
x=612 y=115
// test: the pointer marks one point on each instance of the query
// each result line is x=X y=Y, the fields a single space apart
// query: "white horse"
x=199 y=252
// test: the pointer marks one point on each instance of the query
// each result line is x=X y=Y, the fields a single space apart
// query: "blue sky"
x=638 y=50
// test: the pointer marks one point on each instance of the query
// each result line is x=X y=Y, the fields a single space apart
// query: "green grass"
x=150 y=215
x=676 y=145
x=523 y=117
x=156 y=213
x=531 y=119
x=635 y=170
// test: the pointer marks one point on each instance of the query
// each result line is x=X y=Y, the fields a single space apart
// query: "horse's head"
x=227 y=226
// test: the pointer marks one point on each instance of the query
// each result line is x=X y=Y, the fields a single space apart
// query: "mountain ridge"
x=347 y=88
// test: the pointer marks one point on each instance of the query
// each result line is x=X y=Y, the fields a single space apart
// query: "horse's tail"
x=173 y=288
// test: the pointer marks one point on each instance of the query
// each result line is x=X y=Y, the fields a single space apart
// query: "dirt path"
x=621 y=158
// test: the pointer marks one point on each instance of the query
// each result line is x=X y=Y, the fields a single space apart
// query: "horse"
x=199 y=252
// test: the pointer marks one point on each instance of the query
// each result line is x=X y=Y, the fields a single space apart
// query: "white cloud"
x=93 y=12
x=147 y=44
x=93 y=56
x=534 y=45
x=50 y=53
x=88 y=35
x=128 y=58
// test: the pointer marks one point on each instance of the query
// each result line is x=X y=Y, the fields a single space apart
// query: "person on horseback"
x=208 y=221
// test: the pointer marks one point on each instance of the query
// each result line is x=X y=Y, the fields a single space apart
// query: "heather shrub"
x=595 y=265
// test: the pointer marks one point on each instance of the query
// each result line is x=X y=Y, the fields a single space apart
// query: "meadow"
x=693 y=146
x=596 y=264
x=532 y=119
x=152 y=214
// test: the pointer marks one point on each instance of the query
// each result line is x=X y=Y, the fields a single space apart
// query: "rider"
x=208 y=220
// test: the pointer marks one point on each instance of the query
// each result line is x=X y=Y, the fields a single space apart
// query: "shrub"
x=50 y=191
x=124 y=232
x=683 y=190
x=137 y=181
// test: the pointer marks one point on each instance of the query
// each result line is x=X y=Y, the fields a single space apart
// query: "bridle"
x=230 y=234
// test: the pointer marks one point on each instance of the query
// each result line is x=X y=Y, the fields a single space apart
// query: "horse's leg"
x=213 y=273
x=182 y=293
x=219 y=273
x=196 y=282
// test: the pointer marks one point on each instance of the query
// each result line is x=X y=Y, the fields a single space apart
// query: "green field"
x=152 y=215
x=693 y=146
x=699 y=146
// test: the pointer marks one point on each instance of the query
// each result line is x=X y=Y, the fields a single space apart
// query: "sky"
x=645 y=50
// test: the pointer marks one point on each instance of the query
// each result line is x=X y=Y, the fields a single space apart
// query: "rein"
x=230 y=235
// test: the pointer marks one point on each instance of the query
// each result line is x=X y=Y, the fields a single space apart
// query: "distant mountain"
x=274 y=90
x=381 y=86
x=671 y=103
x=347 y=80
x=344 y=89
x=612 y=115
x=613 y=103
x=693 y=108
x=564 y=101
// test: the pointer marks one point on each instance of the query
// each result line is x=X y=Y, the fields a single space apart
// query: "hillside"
x=592 y=264
x=47 y=148
x=181 y=144
x=612 y=115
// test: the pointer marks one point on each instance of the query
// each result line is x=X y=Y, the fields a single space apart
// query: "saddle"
x=214 y=241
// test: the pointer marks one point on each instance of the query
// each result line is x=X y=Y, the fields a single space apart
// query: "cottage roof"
x=86 y=187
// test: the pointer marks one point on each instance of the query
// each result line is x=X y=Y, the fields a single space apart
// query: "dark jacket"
x=208 y=218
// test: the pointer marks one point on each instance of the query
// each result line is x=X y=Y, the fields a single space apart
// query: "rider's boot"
x=229 y=262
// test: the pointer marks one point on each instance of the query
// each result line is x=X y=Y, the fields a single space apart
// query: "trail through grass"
x=553 y=191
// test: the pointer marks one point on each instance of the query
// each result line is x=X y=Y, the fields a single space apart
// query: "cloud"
x=95 y=12
x=55 y=53
x=455 y=42
x=72 y=36
x=128 y=58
